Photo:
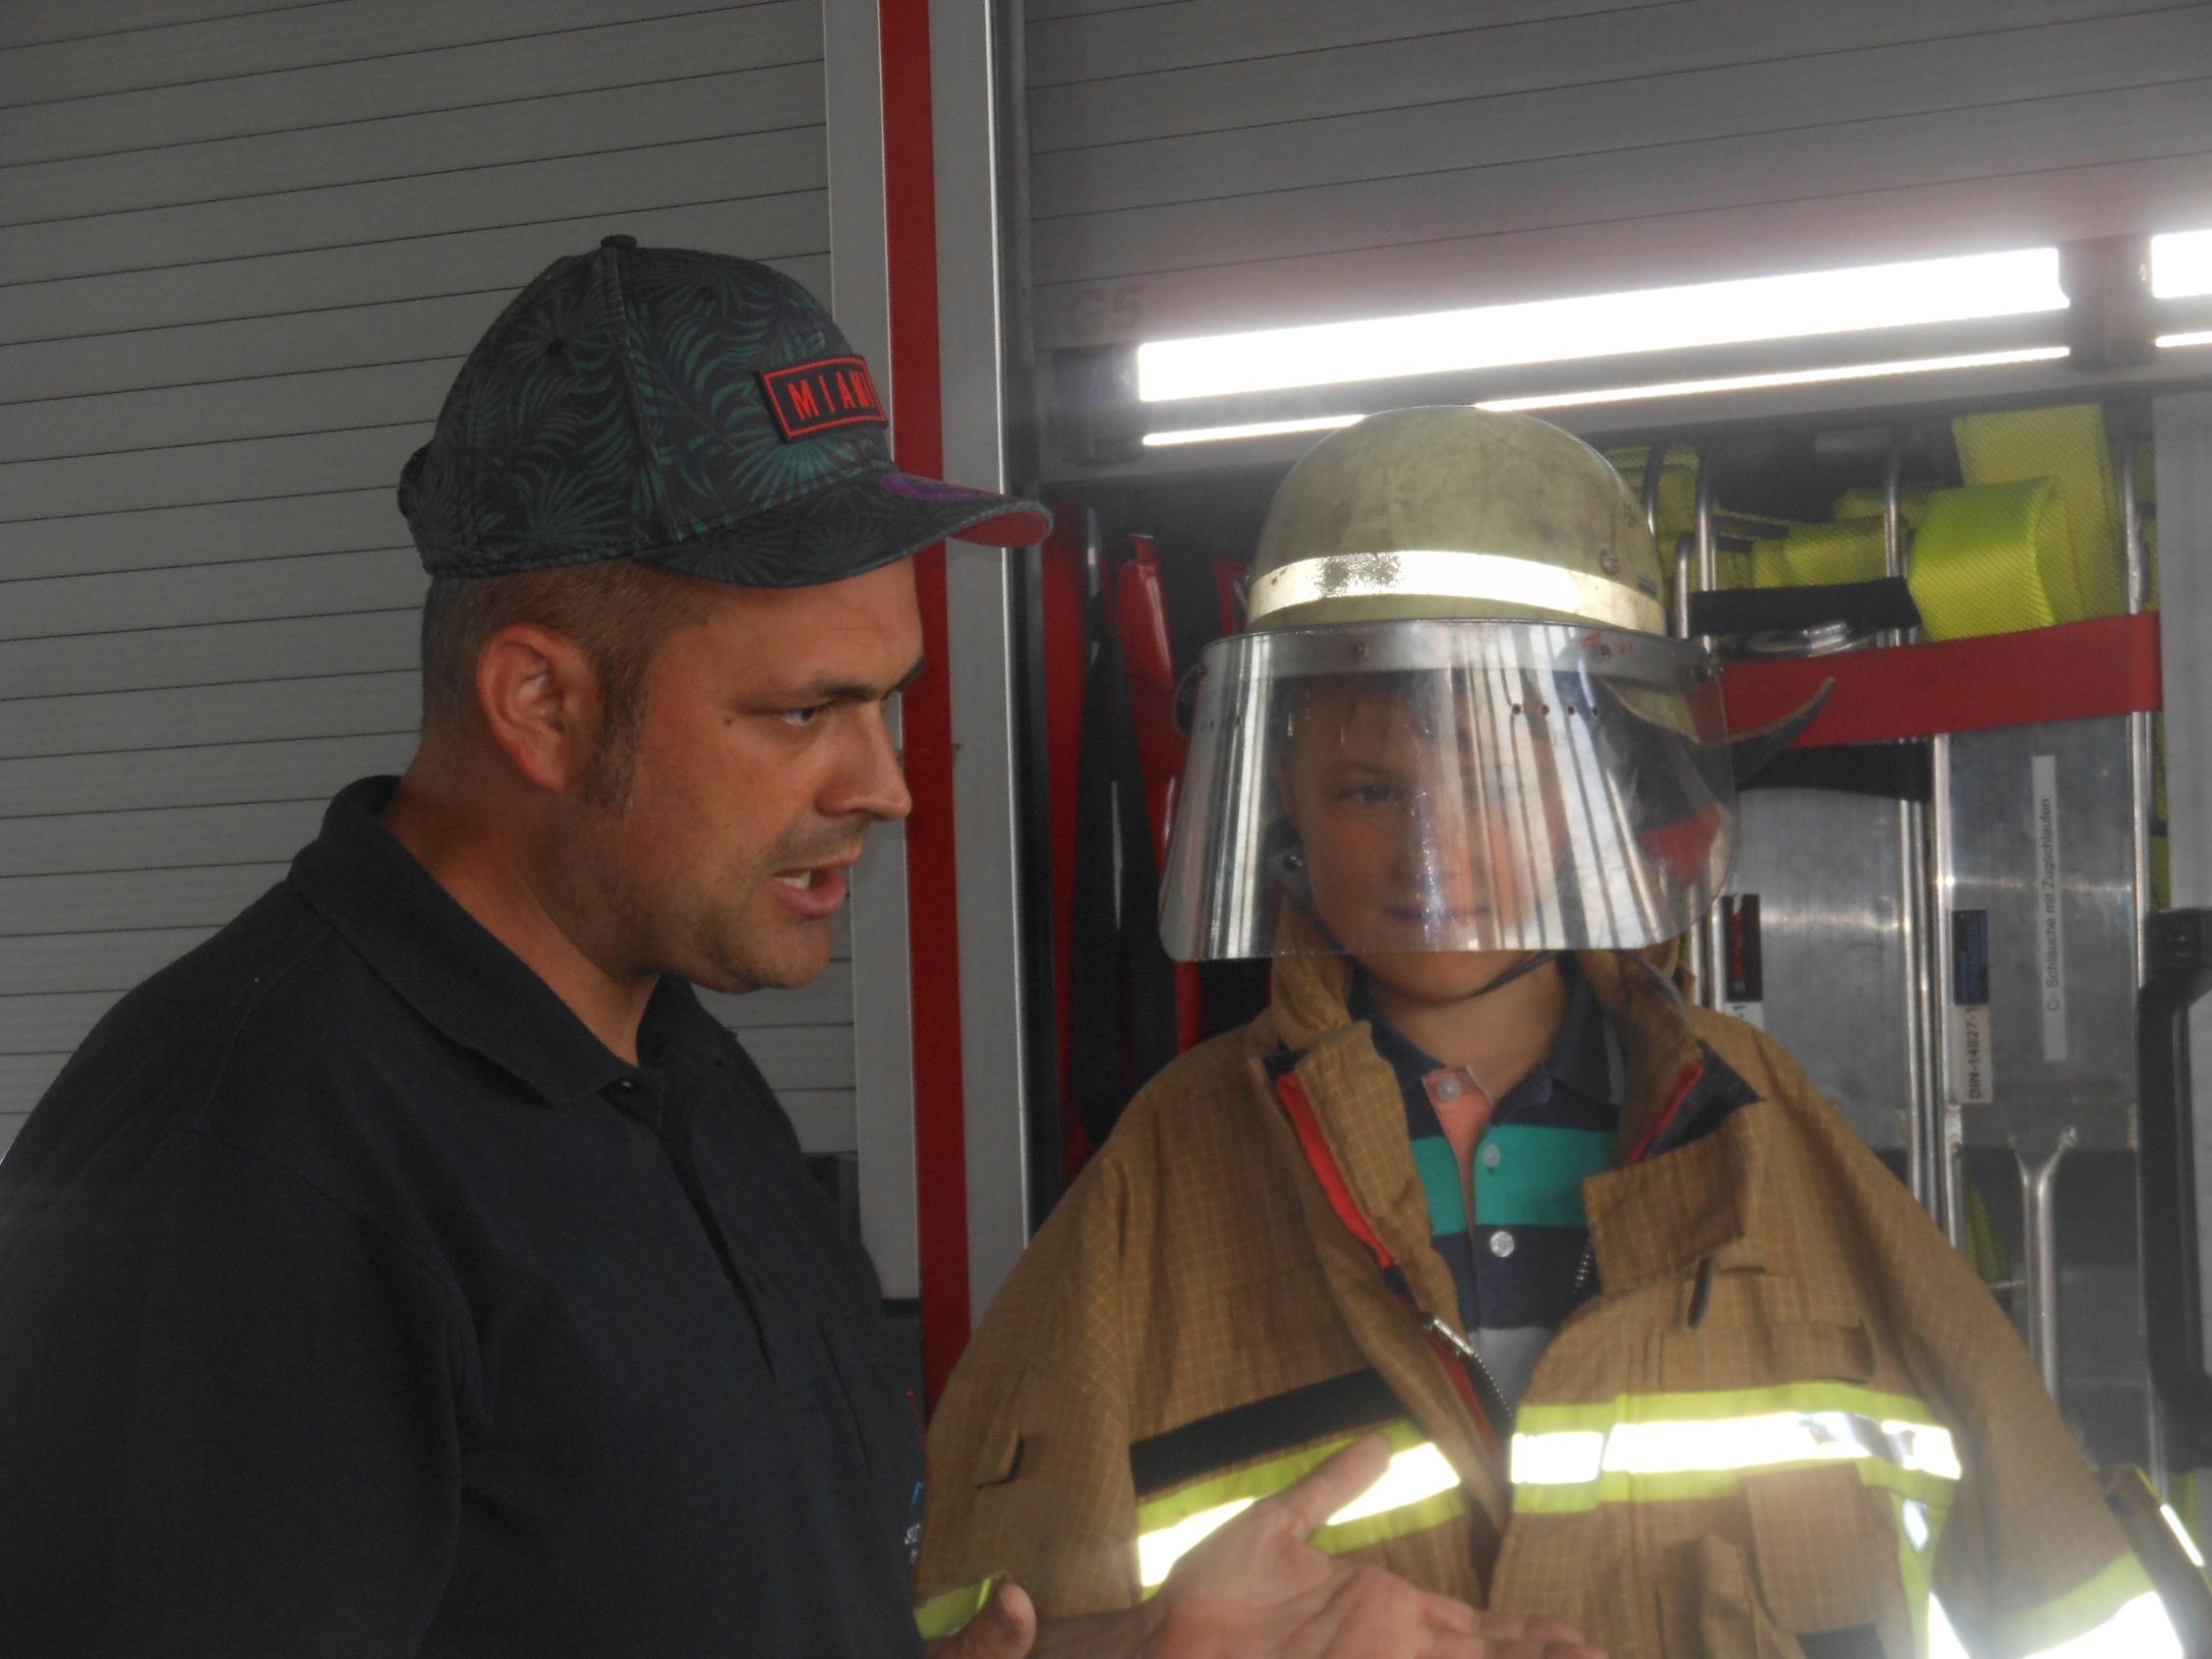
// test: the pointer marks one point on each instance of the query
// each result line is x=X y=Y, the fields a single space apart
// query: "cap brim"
x=851 y=528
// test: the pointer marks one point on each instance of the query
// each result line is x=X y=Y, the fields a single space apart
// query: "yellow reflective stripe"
x=1708 y=1404
x=1414 y=1514
x=1769 y=1440
x=1420 y=1489
x=1920 y=1530
x=1696 y=1485
x=941 y=1614
x=2116 y=1615
x=1661 y=1448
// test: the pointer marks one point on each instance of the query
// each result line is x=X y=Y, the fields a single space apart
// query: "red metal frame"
x=1063 y=580
x=1148 y=661
x=2074 y=671
x=932 y=888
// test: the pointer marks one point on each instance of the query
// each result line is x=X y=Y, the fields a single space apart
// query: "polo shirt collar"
x=449 y=968
x=1577 y=1060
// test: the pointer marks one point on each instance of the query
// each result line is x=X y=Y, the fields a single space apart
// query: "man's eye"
x=800 y=716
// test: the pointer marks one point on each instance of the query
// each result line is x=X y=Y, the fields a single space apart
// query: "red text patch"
x=815 y=397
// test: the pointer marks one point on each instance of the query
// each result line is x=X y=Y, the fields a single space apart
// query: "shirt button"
x=1448 y=1088
x=1493 y=1157
x=1502 y=1243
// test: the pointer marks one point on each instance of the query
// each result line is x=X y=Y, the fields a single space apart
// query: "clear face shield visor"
x=1448 y=787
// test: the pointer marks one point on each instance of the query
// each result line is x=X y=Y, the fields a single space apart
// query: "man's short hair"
x=617 y=610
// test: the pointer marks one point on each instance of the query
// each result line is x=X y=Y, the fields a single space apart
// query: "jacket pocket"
x=1656 y=1221
x=1710 y=1607
x=1744 y=1348
x=1825 y=1548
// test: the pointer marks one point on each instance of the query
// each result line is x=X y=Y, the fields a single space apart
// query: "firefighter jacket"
x=1789 y=1419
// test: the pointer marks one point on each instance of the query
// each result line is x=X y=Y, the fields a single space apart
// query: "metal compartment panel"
x=2041 y=845
x=1823 y=868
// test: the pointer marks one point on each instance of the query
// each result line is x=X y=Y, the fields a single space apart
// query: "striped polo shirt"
x=1516 y=1258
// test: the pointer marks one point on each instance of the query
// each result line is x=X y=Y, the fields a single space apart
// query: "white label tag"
x=1751 y=1014
x=1970 y=1059
x=2050 y=933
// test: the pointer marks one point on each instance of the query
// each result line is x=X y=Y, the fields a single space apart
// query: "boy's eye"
x=1372 y=794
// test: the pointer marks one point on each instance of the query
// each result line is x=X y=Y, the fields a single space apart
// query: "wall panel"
x=243 y=244
x=293 y=38
x=215 y=654
x=321 y=705
x=784 y=228
x=385 y=86
x=1193 y=174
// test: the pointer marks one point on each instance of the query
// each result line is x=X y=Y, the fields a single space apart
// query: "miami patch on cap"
x=807 y=398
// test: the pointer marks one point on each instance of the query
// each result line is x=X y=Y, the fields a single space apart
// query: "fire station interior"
x=247 y=245
x=1942 y=916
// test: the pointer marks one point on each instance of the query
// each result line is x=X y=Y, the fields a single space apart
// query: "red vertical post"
x=932 y=888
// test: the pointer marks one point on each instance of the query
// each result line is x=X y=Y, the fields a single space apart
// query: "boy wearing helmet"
x=1658 y=1347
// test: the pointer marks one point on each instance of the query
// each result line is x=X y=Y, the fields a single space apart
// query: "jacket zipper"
x=1488 y=1401
x=1493 y=1403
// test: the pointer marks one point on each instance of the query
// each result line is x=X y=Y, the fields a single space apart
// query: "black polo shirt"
x=356 y=1300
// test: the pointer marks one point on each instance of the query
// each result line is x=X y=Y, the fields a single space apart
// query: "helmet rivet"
x=1610 y=562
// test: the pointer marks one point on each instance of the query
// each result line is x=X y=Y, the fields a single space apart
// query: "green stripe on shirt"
x=1527 y=1175
x=1438 y=1165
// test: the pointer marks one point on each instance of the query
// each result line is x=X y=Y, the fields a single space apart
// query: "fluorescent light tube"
x=1251 y=428
x=1707 y=314
x=2182 y=264
x=1784 y=377
x=1662 y=389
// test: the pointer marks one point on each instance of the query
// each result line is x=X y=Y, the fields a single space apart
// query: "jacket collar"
x=1311 y=986
x=450 y=970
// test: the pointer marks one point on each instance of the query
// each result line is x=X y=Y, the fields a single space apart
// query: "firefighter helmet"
x=1455 y=512
x=1456 y=721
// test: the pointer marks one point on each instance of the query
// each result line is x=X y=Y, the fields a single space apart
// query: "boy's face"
x=1409 y=842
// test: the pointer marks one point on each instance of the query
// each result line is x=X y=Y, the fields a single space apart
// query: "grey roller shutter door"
x=243 y=246
x=1206 y=165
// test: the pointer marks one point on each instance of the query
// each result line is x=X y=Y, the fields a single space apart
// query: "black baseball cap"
x=691 y=410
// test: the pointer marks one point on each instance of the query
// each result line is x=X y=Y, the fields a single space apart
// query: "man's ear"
x=538 y=696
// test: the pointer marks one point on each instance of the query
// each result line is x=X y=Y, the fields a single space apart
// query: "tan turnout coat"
x=1196 y=1278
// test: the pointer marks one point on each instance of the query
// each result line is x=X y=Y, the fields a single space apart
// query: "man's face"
x=762 y=757
x=1403 y=838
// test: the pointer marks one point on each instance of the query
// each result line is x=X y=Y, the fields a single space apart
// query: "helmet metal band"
x=1497 y=577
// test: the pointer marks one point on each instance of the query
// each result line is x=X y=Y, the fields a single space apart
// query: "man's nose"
x=873 y=781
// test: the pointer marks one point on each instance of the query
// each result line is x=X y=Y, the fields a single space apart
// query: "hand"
x=1005 y=1629
x=1257 y=1587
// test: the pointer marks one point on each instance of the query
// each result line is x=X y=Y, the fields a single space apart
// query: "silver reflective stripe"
x=2182 y=1535
x=1158 y=1550
x=1459 y=576
x=1578 y=1457
x=2141 y=1630
x=1415 y=1474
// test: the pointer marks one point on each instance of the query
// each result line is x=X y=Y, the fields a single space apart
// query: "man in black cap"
x=416 y=1268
